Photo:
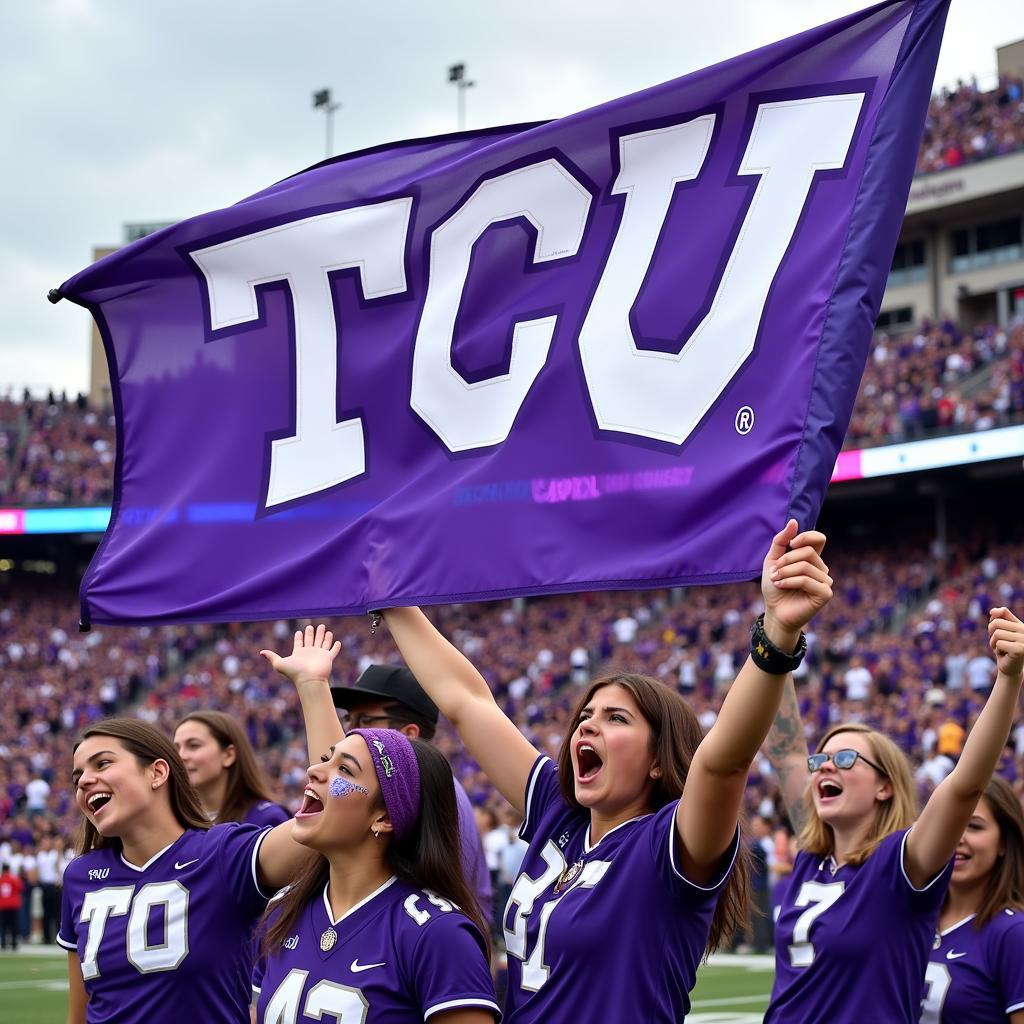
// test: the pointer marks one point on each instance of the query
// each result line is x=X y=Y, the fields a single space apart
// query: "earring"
x=376 y=834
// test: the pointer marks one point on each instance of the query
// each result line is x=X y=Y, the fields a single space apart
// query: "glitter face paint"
x=342 y=787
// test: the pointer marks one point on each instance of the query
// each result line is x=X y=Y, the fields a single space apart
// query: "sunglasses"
x=844 y=759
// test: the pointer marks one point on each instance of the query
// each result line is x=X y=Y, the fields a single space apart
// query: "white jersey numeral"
x=421 y=915
x=651 y=394
x=665 y=395
x=322 y=452
x=97 y=908
x=346 y=1005
x=817 y=897
x=937 y=980
x=166 y=953
x=524 y=895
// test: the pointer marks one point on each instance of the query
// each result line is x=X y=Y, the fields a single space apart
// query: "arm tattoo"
x=786 y=749
x=786 y=737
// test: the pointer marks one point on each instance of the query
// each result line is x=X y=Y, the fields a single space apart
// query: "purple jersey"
x=266 y=814
x=851 y=943
x=170 y=940
x=976 y=975
x=610 y=932
x=474 y=864
x=398 y=957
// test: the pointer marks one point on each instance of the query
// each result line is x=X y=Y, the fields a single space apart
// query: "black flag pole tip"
x=84 y=627
x=55 y=295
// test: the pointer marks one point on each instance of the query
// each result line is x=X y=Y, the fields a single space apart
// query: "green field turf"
x=33 y=989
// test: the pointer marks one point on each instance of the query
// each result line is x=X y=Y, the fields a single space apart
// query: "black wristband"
x=769 y=658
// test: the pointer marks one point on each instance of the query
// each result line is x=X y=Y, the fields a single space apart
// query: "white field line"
x=701 y=1004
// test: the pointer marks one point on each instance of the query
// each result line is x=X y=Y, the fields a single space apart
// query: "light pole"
x=457 y=74
x=322 y=101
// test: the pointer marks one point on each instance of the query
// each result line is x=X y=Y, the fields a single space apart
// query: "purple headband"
x=398 y=773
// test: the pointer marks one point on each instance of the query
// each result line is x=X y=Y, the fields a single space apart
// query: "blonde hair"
x=894 y=814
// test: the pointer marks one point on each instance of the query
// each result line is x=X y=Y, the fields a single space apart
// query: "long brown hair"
x=146 y=745
x=429 y=857
x=675 y=735
x=1004 y=888
x=247 y=785
x=896 y=813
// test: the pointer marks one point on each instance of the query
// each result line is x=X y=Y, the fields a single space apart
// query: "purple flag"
x=614 y=350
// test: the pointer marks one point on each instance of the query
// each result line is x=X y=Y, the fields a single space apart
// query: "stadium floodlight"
x=322 y=101
x=457 y=76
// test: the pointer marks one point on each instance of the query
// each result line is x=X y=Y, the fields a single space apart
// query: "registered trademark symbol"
x=744 y=420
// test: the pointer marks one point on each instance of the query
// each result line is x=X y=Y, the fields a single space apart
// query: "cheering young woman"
x=382 y=928
x=865 y=892
x=633 y=836
x=223 y=768
x=976 y=968
x=159 y=908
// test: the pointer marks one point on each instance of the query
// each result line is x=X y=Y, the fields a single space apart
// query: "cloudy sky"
x=118 y=111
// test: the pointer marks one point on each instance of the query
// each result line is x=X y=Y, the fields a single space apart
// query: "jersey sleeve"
x=1008 y=964
x=449 y=969
x=924 y=900
x=259 y=969
x=663 y=843
x=542 y=795
x=66 y=934
x=235 y=848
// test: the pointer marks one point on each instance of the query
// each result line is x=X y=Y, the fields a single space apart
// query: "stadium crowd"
x=967 y=124
x=902 y=647
x=56 y=451
x=912 y=384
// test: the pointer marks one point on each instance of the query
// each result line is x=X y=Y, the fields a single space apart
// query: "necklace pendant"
x=327 y=940
x=566 y=877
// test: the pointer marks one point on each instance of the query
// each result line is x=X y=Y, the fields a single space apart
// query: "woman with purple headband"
x=382 y=927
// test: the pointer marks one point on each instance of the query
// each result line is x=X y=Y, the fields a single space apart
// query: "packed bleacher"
x=55 y=452
x=966 y=124
x=914 y=383
x=902 y=646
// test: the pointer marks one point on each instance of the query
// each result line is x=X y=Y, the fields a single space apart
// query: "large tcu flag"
x=614 y=350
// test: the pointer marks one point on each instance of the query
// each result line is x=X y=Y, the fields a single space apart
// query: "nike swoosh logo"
x=356 y=966
x=954 y=956
x=178 y=867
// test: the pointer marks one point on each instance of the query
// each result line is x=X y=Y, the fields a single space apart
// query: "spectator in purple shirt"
x=976 y=967
x=158 y=909
x=629 y=874
x=386 y=887
x=223 y=768
x=867 y=887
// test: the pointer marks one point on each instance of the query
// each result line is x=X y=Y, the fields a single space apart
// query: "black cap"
x=390 y=682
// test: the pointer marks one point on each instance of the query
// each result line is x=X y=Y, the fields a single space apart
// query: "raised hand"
x=795 y=580
x=1006 y=638
x=313 y=654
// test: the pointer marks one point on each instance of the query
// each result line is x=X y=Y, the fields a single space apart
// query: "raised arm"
x=795 y=584
x=463 y=697
x=309 y=668
x=786 y=750
x=934 y=838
